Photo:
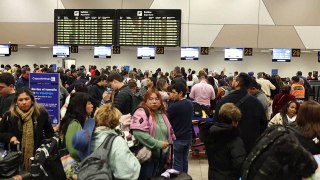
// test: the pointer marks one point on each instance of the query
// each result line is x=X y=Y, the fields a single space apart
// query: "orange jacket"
x=298 y=91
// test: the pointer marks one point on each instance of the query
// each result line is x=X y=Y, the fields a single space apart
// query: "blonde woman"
x=123 y=163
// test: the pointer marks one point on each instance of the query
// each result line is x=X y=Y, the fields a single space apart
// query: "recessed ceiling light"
x=316 y=50
x=265 y=51
x=305 y=51
x=44 y=47
x=30 y=45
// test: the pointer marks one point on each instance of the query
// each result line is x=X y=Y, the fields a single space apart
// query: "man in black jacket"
x=253 y=121
x=123 y=96
x=177 y=76
x=96 y=91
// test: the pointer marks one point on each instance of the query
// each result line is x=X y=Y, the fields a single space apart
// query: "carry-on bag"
x=180 y=176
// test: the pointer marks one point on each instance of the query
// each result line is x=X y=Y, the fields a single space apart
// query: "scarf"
x=27 y=138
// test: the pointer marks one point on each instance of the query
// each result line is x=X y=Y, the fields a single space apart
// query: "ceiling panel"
x=92 y=4
x=28 y=10
x=224 y=12
x=279 y=37
x=26 y=33
x=294 y=12
x=137 y=4
x=107 y=4
x=203 y=35
x=184 y=35
x=237 y=36
x=309 y=36
x=264 y=15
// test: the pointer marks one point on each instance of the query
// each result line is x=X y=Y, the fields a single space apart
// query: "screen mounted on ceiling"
x=281 y=55
x=5 y=50
x=145 y=52
x=233 y=54
x=102 y=52
x=189 y=53
x=61 y=51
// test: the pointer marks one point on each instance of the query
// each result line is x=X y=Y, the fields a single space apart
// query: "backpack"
x=136 y=99
x=278 y=155
x=205 y=128
x=96 y=166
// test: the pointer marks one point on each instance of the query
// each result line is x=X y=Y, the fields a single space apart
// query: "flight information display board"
x=84 y=26
x=148 y=27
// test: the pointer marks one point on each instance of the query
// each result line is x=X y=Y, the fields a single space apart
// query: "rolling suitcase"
x=181 y=176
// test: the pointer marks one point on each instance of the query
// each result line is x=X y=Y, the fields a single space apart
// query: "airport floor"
x=198 y=168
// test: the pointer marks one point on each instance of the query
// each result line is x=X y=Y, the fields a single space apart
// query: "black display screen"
x=148 y=27
x=84 y=26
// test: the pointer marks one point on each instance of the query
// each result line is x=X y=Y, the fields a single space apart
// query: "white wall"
x=214 y=61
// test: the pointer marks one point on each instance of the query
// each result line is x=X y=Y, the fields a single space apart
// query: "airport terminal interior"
x=252 y=36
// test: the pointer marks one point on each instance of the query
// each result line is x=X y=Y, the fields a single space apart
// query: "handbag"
x=141 y=152
x=10 y=162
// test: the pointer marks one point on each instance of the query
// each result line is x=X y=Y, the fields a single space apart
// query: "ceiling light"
x=30 y=45
x=305 y=51
x=44 y=47
x=316 y=50
x=265 y=51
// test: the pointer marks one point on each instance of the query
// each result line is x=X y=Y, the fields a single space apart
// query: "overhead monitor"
x=102 y=52
x=61 y=51
x=145 y=52
x=5 y=50
x=281 y=55
x=233 y=54
x=189 y=53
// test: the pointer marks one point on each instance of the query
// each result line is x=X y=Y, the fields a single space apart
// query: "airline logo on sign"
x=76 y=13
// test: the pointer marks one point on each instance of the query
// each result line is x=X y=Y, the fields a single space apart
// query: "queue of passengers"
x=242 y=107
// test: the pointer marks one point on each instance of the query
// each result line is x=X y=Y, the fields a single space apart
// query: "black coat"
x=96 y=93
x=310 y=144
x=12 y=126
x=123 y=100
x=253 y=120
x=225 y=151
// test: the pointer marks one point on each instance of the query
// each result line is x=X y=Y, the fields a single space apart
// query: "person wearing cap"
x=81 y=141
x=123 y=164
x=79 y=110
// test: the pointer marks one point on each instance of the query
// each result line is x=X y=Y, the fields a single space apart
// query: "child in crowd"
x=224 y=147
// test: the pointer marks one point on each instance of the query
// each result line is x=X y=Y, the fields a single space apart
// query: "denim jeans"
x=180 y=153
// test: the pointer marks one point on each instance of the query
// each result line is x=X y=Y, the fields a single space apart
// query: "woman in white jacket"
x=287 y=114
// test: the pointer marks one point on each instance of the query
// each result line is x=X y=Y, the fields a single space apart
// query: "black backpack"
x=96 y=166
x=278 y=155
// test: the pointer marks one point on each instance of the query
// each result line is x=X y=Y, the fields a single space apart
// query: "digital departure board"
x=148 y=27
x=84 y=26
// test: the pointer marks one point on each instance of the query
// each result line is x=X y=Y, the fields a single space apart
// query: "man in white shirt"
x=266 y=85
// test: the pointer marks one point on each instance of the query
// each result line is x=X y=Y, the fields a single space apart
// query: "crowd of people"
x=161 y=107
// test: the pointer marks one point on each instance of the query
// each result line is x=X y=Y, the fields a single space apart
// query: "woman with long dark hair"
x=287 y=114
x=79 y=110
x=151 y=127
x=26 y=122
